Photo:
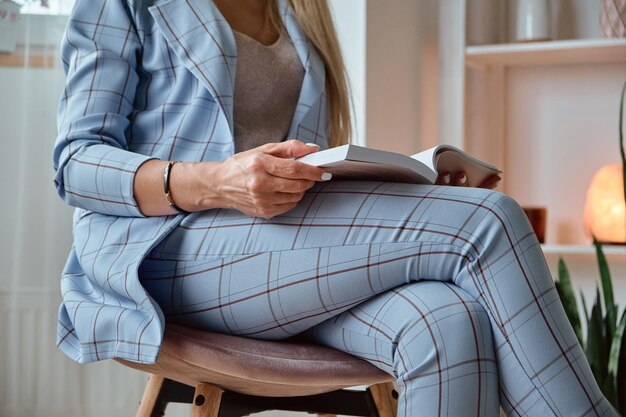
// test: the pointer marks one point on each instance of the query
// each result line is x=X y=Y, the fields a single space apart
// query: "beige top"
x=267 y=87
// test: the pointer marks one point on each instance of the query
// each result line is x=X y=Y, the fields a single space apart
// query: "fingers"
x=292 y=148
x=287 y=198
x=289 y=186
x=491 y=182
x=278 y=209
x=444 y=178
x=269 y=211
x=260 y=165
x=287 y=168
x=460 y=179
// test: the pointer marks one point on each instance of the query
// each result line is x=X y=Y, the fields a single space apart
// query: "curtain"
x=36 y=379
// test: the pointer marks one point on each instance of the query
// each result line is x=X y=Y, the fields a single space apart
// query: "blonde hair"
x=316 y=21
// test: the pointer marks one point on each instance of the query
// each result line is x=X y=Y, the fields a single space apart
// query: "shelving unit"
x=525 y=106
x=576 y=51
x=584 y=250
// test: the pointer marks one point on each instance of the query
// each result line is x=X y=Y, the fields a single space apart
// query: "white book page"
x=427 y=158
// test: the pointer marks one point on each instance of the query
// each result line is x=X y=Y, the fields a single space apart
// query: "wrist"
x=192 y=186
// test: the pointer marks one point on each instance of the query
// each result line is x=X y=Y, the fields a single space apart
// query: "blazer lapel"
x=204 y=42
x=315 y=74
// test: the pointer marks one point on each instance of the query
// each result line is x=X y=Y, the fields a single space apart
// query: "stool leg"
x=150 y=396
x=206 y=401
x=385 y=397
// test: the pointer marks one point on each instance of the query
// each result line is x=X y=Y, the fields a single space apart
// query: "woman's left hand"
x=460 y=179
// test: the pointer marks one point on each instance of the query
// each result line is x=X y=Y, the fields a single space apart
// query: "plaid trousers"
x=446 y=288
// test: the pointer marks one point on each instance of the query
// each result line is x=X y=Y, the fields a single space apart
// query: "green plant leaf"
x=596 y=350
x=568 y=299
x=584 y=303
x=607 y=287
x=616 y=347
x=621 y=373
x=608 y=340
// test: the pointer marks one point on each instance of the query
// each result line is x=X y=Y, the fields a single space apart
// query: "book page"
x=427 y=157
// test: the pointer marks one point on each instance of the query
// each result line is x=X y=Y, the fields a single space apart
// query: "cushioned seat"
x=257 y=367
x=230 y=376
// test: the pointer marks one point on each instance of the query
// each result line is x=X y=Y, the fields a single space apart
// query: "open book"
x=360 y=163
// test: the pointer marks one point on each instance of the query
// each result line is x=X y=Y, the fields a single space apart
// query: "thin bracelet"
x=166 y=188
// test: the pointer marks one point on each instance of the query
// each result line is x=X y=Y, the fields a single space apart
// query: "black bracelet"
x=166 y=188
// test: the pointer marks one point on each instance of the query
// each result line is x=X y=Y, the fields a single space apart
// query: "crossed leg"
x=347 y=242
x=433 y=337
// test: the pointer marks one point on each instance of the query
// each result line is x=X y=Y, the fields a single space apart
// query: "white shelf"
x=609 y=250
x=577 y=51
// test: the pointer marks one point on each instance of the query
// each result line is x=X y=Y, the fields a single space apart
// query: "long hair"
x=316 y=21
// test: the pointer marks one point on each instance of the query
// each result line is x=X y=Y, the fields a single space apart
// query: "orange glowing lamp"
x=605 y=210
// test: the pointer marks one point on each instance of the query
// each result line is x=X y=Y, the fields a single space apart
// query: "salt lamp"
x=605 y=210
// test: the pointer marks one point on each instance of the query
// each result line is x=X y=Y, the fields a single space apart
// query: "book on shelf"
x=361 y=163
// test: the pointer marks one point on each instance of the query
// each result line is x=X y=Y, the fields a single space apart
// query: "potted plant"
x=604 y=342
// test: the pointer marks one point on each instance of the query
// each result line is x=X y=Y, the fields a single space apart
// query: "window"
x=46 y=7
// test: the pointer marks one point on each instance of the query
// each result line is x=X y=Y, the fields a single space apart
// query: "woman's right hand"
x=264 y=181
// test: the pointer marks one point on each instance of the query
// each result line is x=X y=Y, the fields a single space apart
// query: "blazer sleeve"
x=94 y=169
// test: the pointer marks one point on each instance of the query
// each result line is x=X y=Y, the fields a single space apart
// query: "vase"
x=532 y=21
x=613 y=18
x=484 y=21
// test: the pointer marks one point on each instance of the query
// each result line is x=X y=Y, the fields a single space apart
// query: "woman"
x=444 y=287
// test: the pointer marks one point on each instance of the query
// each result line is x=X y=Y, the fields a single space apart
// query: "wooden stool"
x=230 y=376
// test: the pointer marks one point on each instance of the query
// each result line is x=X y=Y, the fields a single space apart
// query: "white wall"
x=402 y=68
x=350 y=21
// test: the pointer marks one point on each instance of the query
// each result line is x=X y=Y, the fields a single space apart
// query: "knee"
x=502 y=216
x=508 y=205
x=455 y=332
x=499 y=203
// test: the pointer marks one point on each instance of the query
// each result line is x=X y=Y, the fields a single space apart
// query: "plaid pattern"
x=354 y=266
x=145 y=79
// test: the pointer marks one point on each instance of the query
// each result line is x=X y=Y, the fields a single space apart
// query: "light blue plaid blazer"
x=145 y=79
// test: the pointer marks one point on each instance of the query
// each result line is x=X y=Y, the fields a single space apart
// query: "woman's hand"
x=265 y=181
x=460 y=179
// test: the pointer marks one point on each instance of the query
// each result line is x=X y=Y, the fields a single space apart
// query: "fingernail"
x=326 y=176
x=446 y=178
x=312 y=144
x=463 y=179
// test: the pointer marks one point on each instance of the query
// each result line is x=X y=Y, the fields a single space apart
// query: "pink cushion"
x=258 y=367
